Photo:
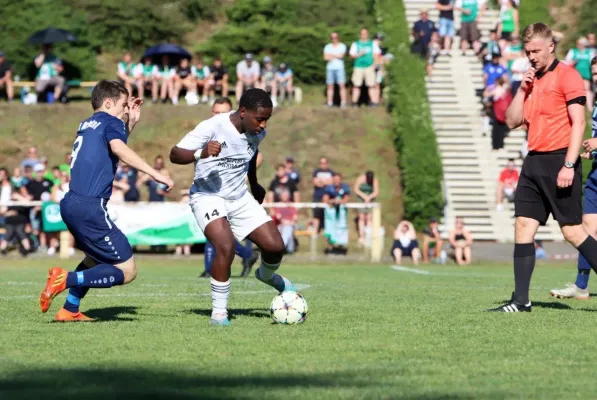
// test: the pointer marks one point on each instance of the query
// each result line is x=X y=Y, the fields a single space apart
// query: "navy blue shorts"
x=590 y=206
x=95 y=233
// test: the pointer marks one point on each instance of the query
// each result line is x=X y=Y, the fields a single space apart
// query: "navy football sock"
x=584 y=271
x=243 y=251
x=75 y=294
x=100 y=276
x=210 y=253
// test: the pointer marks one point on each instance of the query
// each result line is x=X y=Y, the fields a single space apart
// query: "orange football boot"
x=66 y=316
x=55 y=285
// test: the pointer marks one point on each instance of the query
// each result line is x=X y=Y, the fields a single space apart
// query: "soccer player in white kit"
x=224 y=149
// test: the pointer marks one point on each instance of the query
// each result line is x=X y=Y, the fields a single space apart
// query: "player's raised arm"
x=195 y=145
x=128 y=155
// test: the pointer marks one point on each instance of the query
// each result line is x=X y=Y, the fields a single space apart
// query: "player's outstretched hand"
x=212 y=149
x=258 y=192
x=165 y=180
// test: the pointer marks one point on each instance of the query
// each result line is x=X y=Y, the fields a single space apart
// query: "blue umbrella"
x=166 y=49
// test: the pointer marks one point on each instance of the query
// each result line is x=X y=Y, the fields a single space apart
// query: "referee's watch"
x=568 y=164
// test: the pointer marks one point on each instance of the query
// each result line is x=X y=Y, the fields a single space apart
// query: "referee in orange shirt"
x=550 y=103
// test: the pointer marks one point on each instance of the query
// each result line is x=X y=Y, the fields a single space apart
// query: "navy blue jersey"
x=93 y=164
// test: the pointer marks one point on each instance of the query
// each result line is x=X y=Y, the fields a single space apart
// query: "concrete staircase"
x=471 y=168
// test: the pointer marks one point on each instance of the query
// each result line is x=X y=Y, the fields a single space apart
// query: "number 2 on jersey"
x=214 y=213
x=76 y=147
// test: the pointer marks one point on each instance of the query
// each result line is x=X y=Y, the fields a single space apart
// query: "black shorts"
x=537 y=193
x=15 y=232
x=406 y=251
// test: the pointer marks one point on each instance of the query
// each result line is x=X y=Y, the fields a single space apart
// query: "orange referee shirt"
x=546 y=107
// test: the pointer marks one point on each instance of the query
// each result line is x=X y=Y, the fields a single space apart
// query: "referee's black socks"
x=524 y=264
x=588 y=249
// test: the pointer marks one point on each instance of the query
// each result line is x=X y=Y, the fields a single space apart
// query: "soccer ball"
x=289 y=308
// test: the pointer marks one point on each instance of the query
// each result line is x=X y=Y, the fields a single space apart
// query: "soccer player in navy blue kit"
x=579 y=290
x=99 y=145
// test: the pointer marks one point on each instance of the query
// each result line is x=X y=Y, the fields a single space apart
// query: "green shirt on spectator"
x=47 y=70
x=473 y=7
x=366 y=60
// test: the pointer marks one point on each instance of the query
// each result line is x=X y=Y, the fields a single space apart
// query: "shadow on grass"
x=554 y=305
x=139 y=383
x=112 y=314
x=250 y=312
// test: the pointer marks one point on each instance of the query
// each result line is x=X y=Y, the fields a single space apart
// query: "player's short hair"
x=254 y=98
x=281 y=166
x=106 y=90
x=223 y=100
x=338 y=174
x=594 y=61
x=537 y=30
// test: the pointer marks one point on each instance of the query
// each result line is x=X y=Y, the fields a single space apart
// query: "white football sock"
x=219 y=298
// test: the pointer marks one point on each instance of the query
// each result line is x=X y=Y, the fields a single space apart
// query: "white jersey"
x=224 y=175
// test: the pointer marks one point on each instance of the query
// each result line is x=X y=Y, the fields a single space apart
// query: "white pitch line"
x=411 y=270
x=299 y=286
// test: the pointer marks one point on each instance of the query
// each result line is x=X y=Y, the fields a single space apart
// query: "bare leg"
x=356 y=94
x=342 y=88
x=397 y=256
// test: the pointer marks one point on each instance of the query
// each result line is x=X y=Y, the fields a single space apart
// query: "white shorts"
x=244 y=215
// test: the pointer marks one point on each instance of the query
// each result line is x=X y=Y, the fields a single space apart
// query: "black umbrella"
x=51 y=35
x=173 y=51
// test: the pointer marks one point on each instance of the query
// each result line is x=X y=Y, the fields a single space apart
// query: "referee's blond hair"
x=537 y=30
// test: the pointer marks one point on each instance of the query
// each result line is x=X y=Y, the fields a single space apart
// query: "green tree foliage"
x=416 y=144
x=534 y=11
x=291 y=31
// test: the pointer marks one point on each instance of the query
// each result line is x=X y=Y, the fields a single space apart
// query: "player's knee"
x=129 y=269
x=574 y=234
x=225 y=248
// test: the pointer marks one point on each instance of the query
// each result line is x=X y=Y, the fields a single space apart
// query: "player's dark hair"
x=253 y=99
x=55 y=167
x=369 y=175
x=594 y=60
x=5 y=172
x=338 y=174
x=223 y=100
x=281 y=166
x=106 y=90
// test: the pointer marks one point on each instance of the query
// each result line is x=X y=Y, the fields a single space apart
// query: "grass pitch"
x=371 y=332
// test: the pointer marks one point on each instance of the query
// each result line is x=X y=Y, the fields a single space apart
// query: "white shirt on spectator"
x=519 y=67
x=138 y=71
x=243 y=69
x=353 y=49
x=480 y=3
x=5 y=194
x=339 y=50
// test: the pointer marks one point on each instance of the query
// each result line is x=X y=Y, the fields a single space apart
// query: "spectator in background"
x=280 y=184
x=6 y=77
x=268 y=79
x=432 y=241
x=17 y=179
x=366 y=187
x=148 y=75
x=65 y=166
x=5 y=189
x=221 y=105
x=540 y=253
x=184 y=78
x=27 y=175
x=520 y=66
x=364 y=52
x=292 y=172
x=322 y=177
x=508 y=25
x=165 y=78
x=49 y=68
x=201 y=73
x=54 y=175
x=380 y=63
x=61 y=188
x=434 y=50
x=183 y=249
x=405 y=243
x=39 y=189
x=335 y=74
x=461 y=242
x=218 y=79
x=336 y=196
x=491 y=73
x=285 y=218
x=32 y=158
x=471 y=11
x=119 y=187
x=423 y=28
x=446 y=24
x=126 y=74
x=284 y=79
x=247 y=75
x=591 y=43
x=130 y=176
x=157 y=191
x=501 y=96
x=512 y=52
x=581 y=57
x=507 y=182
x=15 y=218
x=490 y=49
